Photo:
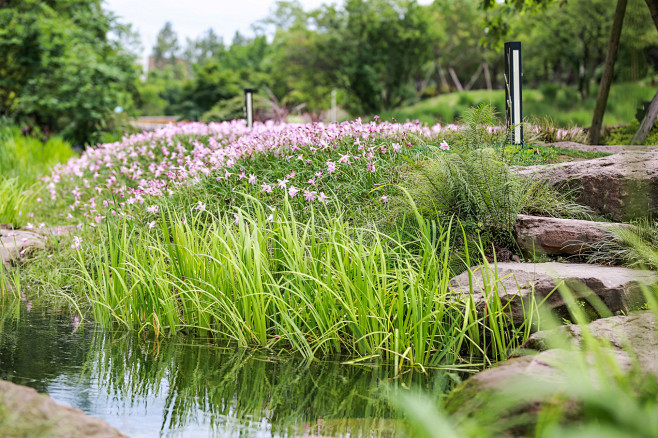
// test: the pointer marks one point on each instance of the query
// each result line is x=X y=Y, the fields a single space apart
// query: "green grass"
x=14 y=199
x=23 y=161
x=27 y=158
x=564 y=106
x=624 y=134
x=319 y=287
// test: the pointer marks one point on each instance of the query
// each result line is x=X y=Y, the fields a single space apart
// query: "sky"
x=191 y=18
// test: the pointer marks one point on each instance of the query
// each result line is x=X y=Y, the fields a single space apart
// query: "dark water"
x=183 y=386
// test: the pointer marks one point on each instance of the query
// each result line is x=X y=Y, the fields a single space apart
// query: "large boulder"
x=555 y=236
x=17 y=243
x=25 y=412
x=619 y=288
x=621 y=186
x=636 y=331
x=518 y=387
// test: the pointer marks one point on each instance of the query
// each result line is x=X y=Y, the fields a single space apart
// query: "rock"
x=637 y=331
x=62 y=230
x=522 y=384
x=613 y=149
x=481 y=389
x=25 y=412
x=621 y=186
x=553 y=236
x=619 y=288
x=16 y=243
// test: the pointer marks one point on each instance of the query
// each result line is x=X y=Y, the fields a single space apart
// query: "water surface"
x=185 y=386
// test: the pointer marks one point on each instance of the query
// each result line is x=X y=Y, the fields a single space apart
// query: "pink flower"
x=227 y=174
x=76 y=242
x=310 y=196
x=153 y=209
x=266 y=188
x=322 y=197
x=29 y=226
x=252 y=178
x=201 y=206
x=318 y=174
x=292 y=191
x=283 y=183
x=344 y=158
x=370 y=167
x=396 y=147
x=151 y=225
x=270 y=218
x=311 y=181
x=331 y=166
x=242 y=175
x=384 y=199
x=444 y=146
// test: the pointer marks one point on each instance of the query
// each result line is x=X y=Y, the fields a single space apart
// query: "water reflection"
x=183 y=386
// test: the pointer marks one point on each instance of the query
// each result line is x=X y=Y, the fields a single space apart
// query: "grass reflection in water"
x=186 y=382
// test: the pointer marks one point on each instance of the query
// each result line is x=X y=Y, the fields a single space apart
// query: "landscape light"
x=249 y=106
x=513 y=91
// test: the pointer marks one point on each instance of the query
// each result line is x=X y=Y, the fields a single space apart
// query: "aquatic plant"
x=320 y=287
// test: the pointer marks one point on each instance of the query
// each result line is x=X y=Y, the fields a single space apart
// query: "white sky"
x=191 y=18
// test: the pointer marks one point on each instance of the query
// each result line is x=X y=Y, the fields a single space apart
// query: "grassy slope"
x=565 y=108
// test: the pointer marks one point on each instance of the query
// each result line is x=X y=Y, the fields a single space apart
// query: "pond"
x=185 y=386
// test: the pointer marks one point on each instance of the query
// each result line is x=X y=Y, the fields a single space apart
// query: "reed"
x=319 y=287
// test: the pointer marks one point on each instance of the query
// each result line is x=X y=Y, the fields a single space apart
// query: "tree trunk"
x=647 y=123
x=474 y=78
x=455 y=79
x=650 y=117
x=653 y=8
x=487 y=76
x=608 y=70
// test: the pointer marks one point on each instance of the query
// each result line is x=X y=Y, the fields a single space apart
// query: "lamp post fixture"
x=513 y=91
x=249 y=106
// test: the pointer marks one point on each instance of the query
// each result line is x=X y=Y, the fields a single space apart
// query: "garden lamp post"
x=249 y=106
x=513 y=91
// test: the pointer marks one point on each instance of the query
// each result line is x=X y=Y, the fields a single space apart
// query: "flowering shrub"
x=312 y=163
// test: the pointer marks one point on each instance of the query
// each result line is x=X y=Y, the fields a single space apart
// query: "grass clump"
x=319 y=287
x=634 y=245
x=476 y=184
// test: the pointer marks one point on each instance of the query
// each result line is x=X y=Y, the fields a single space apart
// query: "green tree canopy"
x=63 y=66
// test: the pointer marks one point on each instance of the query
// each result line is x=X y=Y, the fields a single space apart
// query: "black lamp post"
x=513 y=91
x=249 y=106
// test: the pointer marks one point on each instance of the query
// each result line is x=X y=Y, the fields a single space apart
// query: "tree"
x=63 y=66
x=370 y=49
x=166 y=48
x=207 y=46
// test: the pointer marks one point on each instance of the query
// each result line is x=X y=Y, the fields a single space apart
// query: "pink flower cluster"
x=108 y=178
